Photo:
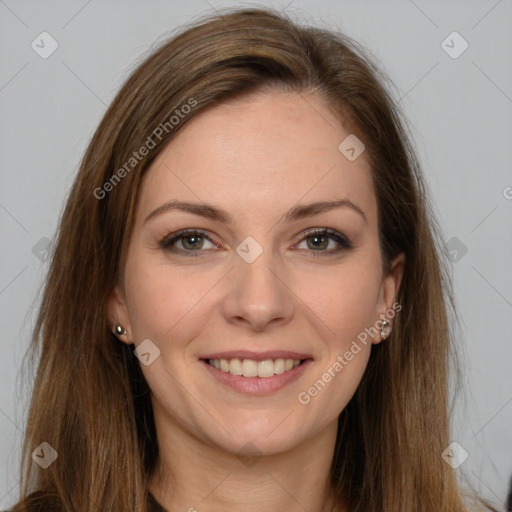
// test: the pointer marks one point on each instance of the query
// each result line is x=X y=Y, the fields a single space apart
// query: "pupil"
x=192 y=237
x=316 y=238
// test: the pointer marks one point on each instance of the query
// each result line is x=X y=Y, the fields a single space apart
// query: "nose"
x=258 y=293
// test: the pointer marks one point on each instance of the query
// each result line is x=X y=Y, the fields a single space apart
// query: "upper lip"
x=257 y=356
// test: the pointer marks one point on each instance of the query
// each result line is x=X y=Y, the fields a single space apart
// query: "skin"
x=255 y=157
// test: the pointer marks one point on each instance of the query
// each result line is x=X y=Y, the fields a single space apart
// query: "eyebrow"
x=217 y=214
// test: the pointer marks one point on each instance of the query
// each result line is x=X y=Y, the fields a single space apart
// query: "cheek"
x=344 y=299
x=163 y=300
x=345 y=303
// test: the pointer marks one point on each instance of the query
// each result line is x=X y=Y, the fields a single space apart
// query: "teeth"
x=266 y=368
x=279 y=366
x=235 y=367
x=251 y=368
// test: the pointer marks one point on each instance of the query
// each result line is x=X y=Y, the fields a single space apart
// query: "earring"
x=383 y=332
x=119 y=330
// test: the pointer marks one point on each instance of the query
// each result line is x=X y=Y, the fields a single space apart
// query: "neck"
x=193 y=475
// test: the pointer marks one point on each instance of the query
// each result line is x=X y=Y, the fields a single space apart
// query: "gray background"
x=460 y=110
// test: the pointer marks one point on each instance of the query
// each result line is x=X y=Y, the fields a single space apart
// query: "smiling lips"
x=258 y=375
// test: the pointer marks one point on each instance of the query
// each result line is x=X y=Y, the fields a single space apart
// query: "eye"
x=192 y=241
x=318 y=239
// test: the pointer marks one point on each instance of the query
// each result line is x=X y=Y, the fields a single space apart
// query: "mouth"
x=256 y=374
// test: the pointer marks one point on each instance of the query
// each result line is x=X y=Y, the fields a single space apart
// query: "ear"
x=387 y=297
x=117 y=314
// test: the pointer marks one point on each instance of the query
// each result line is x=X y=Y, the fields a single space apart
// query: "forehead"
x=259 y=155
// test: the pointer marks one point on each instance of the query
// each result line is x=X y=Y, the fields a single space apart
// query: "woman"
x=246 y=307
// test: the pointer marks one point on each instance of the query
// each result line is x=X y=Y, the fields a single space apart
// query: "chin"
x=250 y=445
x=253 y=435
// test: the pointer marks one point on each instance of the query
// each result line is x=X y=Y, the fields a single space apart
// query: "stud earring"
x=383 y=332
x=119 y=330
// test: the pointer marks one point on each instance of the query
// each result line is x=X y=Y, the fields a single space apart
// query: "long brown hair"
x=90 y=401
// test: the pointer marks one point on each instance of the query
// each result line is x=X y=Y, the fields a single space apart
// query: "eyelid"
x=323 y=231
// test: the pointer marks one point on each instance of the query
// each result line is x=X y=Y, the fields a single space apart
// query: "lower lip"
x=258 y=386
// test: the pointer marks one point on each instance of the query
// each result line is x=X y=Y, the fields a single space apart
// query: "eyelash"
x=341 y=239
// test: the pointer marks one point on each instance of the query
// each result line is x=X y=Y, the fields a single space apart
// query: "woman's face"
x=256 y=286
